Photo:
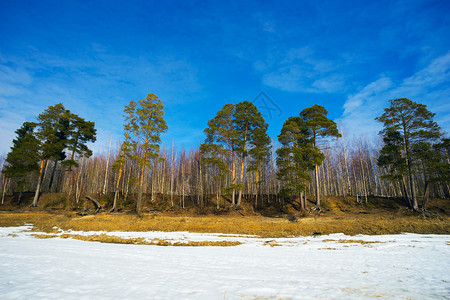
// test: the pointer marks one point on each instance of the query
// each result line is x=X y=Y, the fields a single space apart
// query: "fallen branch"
x=97 y=205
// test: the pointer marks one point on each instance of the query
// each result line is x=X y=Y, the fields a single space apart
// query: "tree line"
x=236 y=161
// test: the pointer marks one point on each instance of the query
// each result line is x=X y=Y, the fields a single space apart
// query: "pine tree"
x=79 y=133
x=49 y=127
x=434 y=163
x=320 y=128
x=151 y=123
x=392 y=159
x=247 y=120
x=412 y=123
x=61 y=140
x=222 y=137
x=212 y=154
x=296 y=157
x=259 y=155
x=229 y=134
x=23 y=160
x=127 y=147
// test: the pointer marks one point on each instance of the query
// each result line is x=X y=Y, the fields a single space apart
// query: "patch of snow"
x=411 y=266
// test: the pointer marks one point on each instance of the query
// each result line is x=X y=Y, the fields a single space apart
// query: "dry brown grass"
x=350 y=224
x=362 y=242
x=104 y=238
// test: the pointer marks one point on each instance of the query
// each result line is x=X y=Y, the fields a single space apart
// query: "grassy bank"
x=231 y=224
x=339 y=215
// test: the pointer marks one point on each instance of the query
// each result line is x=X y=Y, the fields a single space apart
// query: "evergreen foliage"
x=57 y=129
x=230 y=133
x=23 y=159
x=52 y=127
x=259 y=155
x=127 y=147
x=235 y=156
x=222 y=138
x=296 y=157
x=79 y=133
x=410 y=135
x=150 y=125
x=248 y=120
x=320 y=128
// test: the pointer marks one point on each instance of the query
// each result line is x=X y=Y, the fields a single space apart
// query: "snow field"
x=406 y=266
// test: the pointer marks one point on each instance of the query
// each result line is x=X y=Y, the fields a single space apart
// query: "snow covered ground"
x=406 y=266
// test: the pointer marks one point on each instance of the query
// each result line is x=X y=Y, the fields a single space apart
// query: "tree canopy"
x=408 y=125
x=320 y=127
x=230 y=133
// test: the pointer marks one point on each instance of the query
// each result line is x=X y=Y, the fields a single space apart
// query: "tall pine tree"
x=247 y=119
x=49 y=127
x=232 y=132
x=23 y=160
x=127 y=147
x=296 y=157
x=259 y=156
x=79 y=133
x=150 y=125
x=320 y=128
x=222 y=137
x=411 y=123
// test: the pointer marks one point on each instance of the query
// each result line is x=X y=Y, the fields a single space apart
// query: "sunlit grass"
x=241 y=225
x=104 y=238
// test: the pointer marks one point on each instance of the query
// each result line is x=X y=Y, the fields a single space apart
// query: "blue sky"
x=96 y=56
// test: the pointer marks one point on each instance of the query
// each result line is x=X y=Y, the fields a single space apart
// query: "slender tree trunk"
x=405 y=192
x=303 y=200
x=116 y=195
x=347 y=173
x=257 y=188
x=316 y=179
x=425 y=195
x=152 y=199
x=415 y=205
x=316 y=171
x=52 y=176
x=5 y=186
x=200 y=187
x=300 y=200
x=217 y=196
x=363 y=176
x=79 y=185
x=116 y=192
x=161 y=176
x=127 y=185
x=72 y=182
x=182 y=182
x=141 y=187
x=238 y=206
x=20 y=197
x=233 y=178
x=38 y=187
x=107 y=167
x=172 y=171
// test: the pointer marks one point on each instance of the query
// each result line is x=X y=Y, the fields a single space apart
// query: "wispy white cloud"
x=300 y=70
x=373 y=89
x=429 y=86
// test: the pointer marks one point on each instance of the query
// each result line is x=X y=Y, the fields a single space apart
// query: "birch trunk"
x=5 y=186
x=107 y=167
